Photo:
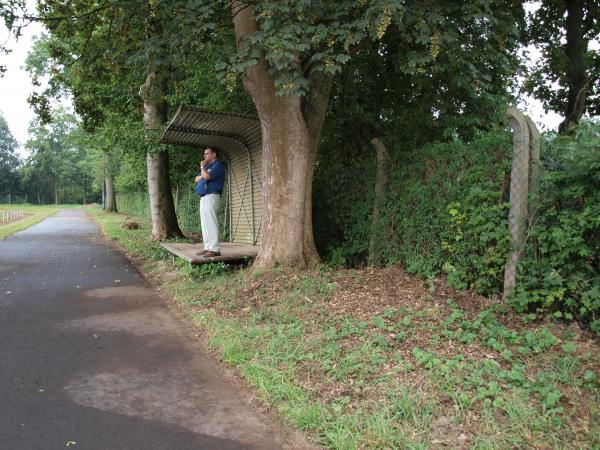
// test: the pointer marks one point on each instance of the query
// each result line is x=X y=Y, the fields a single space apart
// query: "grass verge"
x=39 y=213
x=372 y=359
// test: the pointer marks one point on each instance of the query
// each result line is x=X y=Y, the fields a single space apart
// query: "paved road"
x=91 y=358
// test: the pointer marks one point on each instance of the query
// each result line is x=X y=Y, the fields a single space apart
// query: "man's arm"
x=203 y=173
x=217 y=171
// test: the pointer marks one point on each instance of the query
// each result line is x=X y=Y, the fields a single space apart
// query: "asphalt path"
x=92 y=358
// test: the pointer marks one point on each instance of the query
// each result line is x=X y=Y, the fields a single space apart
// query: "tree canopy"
x=567 y=76
x=324 y=78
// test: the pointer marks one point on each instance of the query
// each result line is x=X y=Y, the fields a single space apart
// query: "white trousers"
x=209 y=205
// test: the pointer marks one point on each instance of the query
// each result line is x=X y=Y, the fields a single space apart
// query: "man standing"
x=209 y=185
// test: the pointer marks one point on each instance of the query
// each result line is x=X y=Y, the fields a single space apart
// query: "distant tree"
x=567 y=76
x=9 y=161
x=52 y=168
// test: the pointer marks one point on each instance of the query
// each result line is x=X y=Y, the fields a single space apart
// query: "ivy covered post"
x=519 y=188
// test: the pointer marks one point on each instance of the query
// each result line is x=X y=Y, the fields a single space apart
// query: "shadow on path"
x=93 y=359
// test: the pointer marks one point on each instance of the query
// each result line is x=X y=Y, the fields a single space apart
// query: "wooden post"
x=381 y=185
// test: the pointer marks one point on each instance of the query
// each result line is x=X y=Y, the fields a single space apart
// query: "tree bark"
x=291 y=131
x=164 y=219
x=176 y=198
x=56 y=192
x=576 y=48
x=381 y=186
x=111 y=197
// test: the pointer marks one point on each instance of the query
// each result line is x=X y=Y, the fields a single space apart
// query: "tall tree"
x=567 y=76
x=288 y=52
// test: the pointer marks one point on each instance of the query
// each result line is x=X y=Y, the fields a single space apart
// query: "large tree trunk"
x=381 y=186
x=111 y=197
x=576 y=67
x=56 y=192
x=291 y=131
x=164 y=219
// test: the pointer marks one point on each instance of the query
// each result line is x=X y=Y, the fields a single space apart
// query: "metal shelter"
x=238 y=136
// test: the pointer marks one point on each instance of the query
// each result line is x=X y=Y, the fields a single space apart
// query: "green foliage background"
x=446 y=213
x=415 y=222
x=561 y=268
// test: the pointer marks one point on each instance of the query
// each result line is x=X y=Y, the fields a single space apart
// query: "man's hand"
x=202 y=163
x=198 y=178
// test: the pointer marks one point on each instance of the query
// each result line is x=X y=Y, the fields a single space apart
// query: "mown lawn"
x=375 y=358
x=35 y=215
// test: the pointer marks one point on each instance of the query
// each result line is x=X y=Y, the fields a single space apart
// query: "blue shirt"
x=216 y=171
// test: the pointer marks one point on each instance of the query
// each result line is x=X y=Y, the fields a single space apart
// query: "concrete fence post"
x=519 y=188
x=534 y=167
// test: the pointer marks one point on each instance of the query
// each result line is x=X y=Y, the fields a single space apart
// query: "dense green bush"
x=560 y=273
x=475 y=253
x=560 y=270
x=445 y=208
x=446 y=212
x=416 y=226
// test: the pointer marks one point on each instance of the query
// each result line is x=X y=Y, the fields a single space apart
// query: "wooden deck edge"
x=199 y=260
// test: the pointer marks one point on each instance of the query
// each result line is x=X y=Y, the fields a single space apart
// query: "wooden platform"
x=229 y=252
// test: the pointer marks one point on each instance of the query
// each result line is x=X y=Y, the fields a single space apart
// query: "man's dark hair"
x=213 y=149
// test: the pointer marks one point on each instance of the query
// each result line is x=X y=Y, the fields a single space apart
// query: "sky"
x=15 y=87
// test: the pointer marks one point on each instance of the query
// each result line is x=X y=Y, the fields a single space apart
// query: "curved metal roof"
x=199 y=127
x=239 y=138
